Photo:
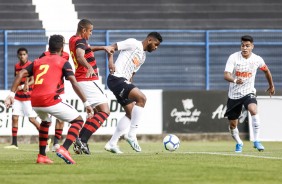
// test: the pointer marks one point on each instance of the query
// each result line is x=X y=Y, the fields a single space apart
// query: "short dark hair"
x=246 y=38
x=83 y=23
x=156 y=35
x=22 y=49
x=56 y=43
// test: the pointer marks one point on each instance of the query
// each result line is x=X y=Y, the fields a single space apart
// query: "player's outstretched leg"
x=63 y=152
x=91 y=126
x=65 y=155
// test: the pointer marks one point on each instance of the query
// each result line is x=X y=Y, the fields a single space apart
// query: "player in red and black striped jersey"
x=22 y=105
x=87 y=76
x=46 y=101
x=59 y=124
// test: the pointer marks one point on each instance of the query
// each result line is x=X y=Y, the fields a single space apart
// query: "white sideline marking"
x=235 y=154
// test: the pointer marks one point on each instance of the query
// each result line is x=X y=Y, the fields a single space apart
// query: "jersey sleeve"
x=81 y=43
x=230 y=64
x=67 y=70
x=42 y=55
x=15 y=70
x=262 y=66
x=65 y=55
x=128 y=44
x=29 y=69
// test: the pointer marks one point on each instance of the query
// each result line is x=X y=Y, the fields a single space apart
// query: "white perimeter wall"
x=151 y=124
x=269 y=110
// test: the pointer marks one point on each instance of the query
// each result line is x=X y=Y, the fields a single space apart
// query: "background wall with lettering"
x=196 y=112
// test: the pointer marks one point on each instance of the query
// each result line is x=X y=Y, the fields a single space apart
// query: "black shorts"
x=120 y=88
x=234 y=107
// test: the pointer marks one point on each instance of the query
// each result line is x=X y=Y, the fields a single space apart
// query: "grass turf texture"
x=193 y=162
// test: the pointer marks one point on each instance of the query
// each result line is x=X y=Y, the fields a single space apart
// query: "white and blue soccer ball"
x=171 y=142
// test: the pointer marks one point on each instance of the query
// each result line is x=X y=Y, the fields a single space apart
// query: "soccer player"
x=48 y=73
x=22 y=105
x=59 y=124
x=86 y=74
x=132 y=55
x=240 y=72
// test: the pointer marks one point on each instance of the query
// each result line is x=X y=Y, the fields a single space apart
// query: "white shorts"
x=94 y=92
x=23 y=108
x=62 y=111
x=63 y=97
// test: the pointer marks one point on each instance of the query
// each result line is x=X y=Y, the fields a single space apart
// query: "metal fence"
x=186 y=60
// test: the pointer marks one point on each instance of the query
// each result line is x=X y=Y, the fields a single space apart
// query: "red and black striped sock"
x=58 y=135
x=76 y=126
x=43 y=136
x=92 y=125
x=15 y=136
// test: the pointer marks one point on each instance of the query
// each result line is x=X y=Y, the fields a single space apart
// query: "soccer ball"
x=171 y=142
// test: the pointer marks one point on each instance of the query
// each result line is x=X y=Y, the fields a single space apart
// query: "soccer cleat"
x=258 y=146
x=55 y=147
x=65 y=155
x=133 y=143
x=80 y=147
x=41 y=159
x=113 y=149
x=11 y=147
x=239 y=148
x=76 y=148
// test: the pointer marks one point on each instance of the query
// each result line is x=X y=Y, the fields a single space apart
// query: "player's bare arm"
x=29 y=81
x=10 y=98
x=81 y=95
x=108 y=49
x=80 y=58
x=228 y=77
x=271 y=88
x=111 y=64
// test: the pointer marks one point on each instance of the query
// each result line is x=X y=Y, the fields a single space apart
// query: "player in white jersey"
x=240 y=72
x=132 y=55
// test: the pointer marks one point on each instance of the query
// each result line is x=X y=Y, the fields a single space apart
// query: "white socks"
x=235 y=135
x=136 y=117
x=125 y=122
x=122 y=126
x=256 y=126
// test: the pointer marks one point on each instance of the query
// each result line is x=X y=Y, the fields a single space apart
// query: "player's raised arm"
x=108 y=49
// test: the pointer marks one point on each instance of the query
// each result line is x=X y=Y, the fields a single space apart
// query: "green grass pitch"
x=194 y=162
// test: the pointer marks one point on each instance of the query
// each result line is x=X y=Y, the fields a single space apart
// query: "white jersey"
x=245 y=69
x=130 y=58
